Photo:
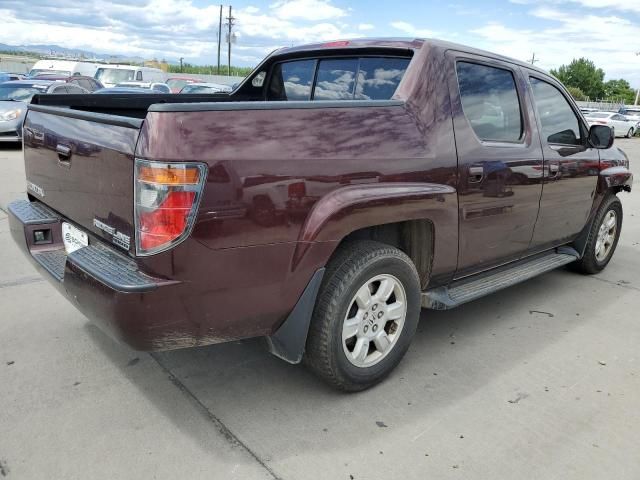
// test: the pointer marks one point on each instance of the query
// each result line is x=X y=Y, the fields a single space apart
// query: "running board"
x=472 y=288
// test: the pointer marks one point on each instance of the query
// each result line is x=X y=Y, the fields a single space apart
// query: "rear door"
x=81 y=165
x=572 y=168
x=500 y=165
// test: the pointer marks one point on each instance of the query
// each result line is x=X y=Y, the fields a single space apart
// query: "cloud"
x=605 y=39
x=365 y=26
x=312 y=10
x=411 y=30
x=169 y=28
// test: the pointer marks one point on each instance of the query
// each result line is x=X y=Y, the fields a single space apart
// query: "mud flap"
x=288 y=342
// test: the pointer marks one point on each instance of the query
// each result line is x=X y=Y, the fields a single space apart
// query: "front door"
x=571 y=166
x=500 y=164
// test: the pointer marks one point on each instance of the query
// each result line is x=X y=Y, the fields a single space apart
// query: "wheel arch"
x=418 y=218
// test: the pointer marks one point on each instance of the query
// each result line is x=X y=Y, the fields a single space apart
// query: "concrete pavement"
x=541 y=381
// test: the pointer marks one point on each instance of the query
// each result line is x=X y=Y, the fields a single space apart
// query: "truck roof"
x=398 y=43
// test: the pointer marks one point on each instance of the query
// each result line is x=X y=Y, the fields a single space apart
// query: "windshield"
x=43 y=71
x=114 y=75
x=21 y=93
x=176 y=83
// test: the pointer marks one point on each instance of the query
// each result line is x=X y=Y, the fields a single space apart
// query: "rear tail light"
x=167 y=196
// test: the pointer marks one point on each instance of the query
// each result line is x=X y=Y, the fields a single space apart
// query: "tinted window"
x=75 y=89
x=336 y=79
x=59 y=89
x=490 y=101
x=559 y=122
x=378 y=78
x=292 y=80
x=139 y=76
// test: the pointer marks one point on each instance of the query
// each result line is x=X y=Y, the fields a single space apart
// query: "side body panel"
x=569 y=191
x=499 y=182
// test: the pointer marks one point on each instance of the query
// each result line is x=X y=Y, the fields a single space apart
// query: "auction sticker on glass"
x=74 y=238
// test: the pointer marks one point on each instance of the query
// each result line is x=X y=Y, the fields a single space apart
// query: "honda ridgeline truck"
x=334 y=193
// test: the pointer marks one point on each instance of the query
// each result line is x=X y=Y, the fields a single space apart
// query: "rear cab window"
x=336 y=79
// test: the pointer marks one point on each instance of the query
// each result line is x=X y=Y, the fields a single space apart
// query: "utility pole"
x=219 y=39
x=181 y=59
x=230 y=25
x=533 y=59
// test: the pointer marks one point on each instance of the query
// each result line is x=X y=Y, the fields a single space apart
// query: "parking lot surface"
x=540 y=381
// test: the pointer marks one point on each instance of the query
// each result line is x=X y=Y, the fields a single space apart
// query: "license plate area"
x=73 y=238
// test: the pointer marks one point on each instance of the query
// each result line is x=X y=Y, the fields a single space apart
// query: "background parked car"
x=178 y=83
x=205 y=87
x=632 y=113
x=14 y=97
x=7 y=77
x=88 y=83
x=621 y=126
x=110 y=75
x=155 y=87
x=65 y=68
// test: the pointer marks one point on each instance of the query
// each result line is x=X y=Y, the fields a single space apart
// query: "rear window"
x=366 y=78
x=597 y=115
x=490 y=101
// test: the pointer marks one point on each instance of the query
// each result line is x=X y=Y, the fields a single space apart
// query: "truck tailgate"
x=81 y=165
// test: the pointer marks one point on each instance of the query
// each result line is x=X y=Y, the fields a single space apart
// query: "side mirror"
x=601 y=136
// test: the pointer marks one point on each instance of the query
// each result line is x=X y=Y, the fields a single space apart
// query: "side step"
x=472 y=288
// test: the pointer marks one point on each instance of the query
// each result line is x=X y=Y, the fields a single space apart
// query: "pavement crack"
x=21 y=281
x=222 y=428
x=617 y=284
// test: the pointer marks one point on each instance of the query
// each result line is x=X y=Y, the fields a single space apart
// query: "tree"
x=583 y=74
x=576 y=93
x=616 y=90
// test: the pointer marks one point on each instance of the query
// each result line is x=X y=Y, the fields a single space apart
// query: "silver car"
x=14 y=97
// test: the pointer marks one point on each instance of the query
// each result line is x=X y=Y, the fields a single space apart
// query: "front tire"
x=630 y=133
x=603 y=237
x=365 y=317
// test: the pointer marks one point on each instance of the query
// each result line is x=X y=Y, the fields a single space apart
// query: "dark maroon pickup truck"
x=333 y=194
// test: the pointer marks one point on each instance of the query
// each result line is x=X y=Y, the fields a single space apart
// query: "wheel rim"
x=606 y=235
x=374 y=320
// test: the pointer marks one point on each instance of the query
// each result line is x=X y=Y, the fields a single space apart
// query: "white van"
x=63 y=68
x=111 y=75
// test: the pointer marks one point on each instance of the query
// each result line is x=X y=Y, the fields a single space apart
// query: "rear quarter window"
x=490 y=101
x=335 y=79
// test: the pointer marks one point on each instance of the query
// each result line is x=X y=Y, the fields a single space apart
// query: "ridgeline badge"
x=33 y=188
x=117 y=238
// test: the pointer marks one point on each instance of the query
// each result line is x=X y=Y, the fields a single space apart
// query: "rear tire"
x=603 y=237
x=365 y=317
x=630 y=133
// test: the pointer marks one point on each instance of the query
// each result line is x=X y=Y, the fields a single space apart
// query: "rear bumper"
x=103 y=284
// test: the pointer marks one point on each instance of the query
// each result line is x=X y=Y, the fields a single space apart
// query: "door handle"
x=554 y=169
x=64 y=154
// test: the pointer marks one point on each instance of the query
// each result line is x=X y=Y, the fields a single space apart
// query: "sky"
x=557 y=31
